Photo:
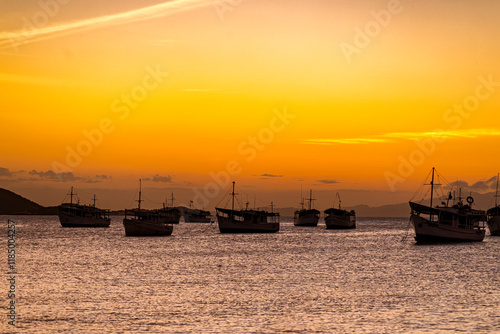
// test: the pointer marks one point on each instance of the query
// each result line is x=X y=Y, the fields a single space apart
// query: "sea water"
x=373 y=279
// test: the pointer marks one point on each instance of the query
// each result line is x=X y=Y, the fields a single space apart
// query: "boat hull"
x=494 y=225
x=333 y=223
x=309 y=220
x=134 y=227
x=432 y=232
x=189 y=218
x=68 y=220
x=197 y=220
x=228 y=225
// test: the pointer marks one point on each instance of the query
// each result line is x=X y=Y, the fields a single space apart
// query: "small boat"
x=247 y=221
x=140 y=222
x=194 y=215
x=340 y=219
x=444 y=223
x=172 y=213
x=76 y=215
x=494 y=216
x=306 y=217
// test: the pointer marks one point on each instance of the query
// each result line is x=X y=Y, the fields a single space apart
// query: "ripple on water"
x=299 y=280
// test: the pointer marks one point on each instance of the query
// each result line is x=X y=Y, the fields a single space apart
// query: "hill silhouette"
x=14 y=204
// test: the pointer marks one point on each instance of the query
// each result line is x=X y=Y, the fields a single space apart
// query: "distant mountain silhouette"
x=14 y=204
x=392 y=210
x=481 y=202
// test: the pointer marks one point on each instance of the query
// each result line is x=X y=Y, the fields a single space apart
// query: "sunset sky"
x=361 y=97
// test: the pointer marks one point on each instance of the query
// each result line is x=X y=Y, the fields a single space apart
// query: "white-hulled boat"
x=494 y=216
x=140 y=222
x=339 y=218
x=306 y=217
x=76 y=215
x=447 y=223
x=246 y=221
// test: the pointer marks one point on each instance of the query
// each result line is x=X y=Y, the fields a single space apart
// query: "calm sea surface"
x=300 y=280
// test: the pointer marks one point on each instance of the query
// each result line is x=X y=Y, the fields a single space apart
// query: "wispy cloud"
x=469 y=133
x=8 y=38
x=5 y=172
x=395 y=136
x=158 y=178
x=328 y=181
x=329 y=141
x=32 y=80
x=482 y=185
x=270 y=175
x=50 y=175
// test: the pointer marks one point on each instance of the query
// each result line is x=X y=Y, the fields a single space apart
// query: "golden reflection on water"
x=301 y=280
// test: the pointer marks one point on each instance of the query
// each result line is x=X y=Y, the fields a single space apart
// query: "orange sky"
x=320 y=94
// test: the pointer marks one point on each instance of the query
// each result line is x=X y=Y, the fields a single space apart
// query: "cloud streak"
x=20 y=37
x=482 y=185
x=31 y=80
x=158 y=178
x=5 y=172
x=50 y=175
x=395 y=136
x=328 y=181
x=270 y=175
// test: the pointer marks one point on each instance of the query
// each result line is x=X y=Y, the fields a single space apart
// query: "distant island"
x=14 y=204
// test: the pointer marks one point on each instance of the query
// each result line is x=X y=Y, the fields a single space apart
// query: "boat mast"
x=338 y=196
x=172 y=199
x=310 y=198
x=432 y=185
x=301 y=199
x=232 y=202
x=94 y=200
x=71 y=196
x=140 y=188
x=496 y=193
x=272 y=207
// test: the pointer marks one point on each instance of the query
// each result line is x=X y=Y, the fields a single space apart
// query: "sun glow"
x=184 y=87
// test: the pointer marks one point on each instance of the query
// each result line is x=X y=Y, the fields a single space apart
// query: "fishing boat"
x=140 y=222
x=172 y=213
x=247 y=221
x=192 y=215
x=444 y=223
x=494 y=216
x=306 y=217
x=76 y=215
x=339 y=218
